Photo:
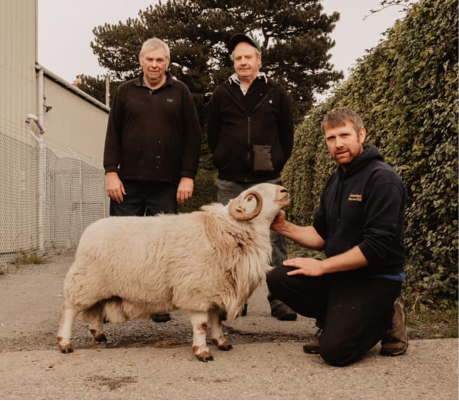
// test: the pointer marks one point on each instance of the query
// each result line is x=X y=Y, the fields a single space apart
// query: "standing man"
x=250 y=134
x=153 y=141
x=360 y=224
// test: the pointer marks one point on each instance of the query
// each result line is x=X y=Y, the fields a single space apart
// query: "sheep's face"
x=262 y=199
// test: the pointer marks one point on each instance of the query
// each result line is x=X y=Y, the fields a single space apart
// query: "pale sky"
x=65 y=31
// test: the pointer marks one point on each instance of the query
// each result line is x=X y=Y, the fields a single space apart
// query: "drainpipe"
x=38 y=120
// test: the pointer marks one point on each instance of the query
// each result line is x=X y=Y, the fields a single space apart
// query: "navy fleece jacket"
x=364 y=206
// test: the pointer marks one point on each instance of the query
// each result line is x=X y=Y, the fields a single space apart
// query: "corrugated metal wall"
x=48 y=195
x=18 y=51
x=18 y=44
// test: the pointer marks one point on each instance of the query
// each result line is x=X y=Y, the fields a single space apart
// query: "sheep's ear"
x=238 y=212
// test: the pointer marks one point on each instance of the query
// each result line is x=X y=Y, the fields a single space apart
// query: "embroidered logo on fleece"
x=170 y=100
x=355 y=197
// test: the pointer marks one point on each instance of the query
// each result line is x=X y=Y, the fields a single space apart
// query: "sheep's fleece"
x=133 y=267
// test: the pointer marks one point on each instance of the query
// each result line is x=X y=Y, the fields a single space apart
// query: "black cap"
x=240 y=37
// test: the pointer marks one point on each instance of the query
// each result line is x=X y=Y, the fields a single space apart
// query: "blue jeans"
x=146 y=198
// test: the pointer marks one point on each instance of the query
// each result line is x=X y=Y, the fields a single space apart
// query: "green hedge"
x=405 y=89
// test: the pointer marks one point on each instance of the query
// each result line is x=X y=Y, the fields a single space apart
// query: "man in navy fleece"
x=353 y=292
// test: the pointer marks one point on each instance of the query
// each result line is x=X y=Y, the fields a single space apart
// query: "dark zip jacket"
x=364 y=206
x=233 y=131
x=152 y=136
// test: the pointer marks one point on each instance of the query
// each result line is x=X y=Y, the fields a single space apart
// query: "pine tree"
x=294 y=38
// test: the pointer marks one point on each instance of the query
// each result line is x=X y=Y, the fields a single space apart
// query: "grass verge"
x=32 y=259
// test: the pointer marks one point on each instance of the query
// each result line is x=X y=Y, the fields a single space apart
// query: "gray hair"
x=258 y=53
x=153 y=44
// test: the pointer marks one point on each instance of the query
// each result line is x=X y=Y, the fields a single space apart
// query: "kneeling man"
x=352 y=293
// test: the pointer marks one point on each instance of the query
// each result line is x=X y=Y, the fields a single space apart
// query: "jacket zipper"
x=248 y=123
x=248 y=142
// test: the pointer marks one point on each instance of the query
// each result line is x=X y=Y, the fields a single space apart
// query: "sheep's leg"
x=94 y=317
x=199 y=323
x=218 y=338
x=65 y=328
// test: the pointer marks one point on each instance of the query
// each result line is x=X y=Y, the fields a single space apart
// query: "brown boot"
x=395 y=341
x=313 y=346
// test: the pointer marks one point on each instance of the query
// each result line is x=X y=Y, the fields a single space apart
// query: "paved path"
x=154 y=361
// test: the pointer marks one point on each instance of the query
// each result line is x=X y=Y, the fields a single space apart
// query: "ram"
x=133 y=267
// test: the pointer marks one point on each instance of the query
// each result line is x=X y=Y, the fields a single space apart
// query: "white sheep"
x=133 y=267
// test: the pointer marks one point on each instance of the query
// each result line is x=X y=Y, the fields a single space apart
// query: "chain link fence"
x=49 y=195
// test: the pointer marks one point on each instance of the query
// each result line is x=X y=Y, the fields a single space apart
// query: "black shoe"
x=395 y=342
x=224 y=314
x=161 y=317
x=282 y=311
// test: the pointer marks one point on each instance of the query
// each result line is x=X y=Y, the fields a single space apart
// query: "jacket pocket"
x=262 y=159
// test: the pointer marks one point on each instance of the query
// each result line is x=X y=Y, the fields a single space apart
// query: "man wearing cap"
x=250 y=133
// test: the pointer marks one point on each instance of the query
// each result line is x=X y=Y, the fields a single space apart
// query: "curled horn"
x=238 y=212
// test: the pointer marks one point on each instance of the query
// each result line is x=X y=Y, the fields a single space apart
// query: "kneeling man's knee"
x=338 y=354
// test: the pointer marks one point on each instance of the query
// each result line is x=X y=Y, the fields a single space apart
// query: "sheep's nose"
x=283 y=190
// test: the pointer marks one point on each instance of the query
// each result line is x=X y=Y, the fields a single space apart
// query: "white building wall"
x=75 y=136
x=74 y=123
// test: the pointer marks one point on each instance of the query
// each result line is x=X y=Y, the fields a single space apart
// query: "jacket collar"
x=369 y=153
x=169 y=80
x=234 y=78
x=269 y=81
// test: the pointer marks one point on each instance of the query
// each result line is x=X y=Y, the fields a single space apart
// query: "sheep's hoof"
x=203 y=353
x=223 y=346
x=205 y=358
x=101 y=338
x=66 y=349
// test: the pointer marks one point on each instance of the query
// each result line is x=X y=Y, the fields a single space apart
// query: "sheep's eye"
x=250 y=198
x=283 y=190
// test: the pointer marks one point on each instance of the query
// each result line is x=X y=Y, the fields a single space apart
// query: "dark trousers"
x=355 y=313
x=146 y=198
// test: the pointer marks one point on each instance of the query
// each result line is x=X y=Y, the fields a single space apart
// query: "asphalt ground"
x=146 y=360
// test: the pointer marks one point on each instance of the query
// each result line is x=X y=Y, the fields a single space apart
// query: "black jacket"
x=233 y=130
x=364 y=206
x=152 y=136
